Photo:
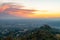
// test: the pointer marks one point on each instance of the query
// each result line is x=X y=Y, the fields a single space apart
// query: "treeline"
x=43 y=33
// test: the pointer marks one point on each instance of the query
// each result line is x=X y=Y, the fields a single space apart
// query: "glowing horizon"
x=32 y=8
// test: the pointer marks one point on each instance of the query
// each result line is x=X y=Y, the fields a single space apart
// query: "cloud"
x=21 y=12
x=6 y=6
x=3 y=7
x=15 y=10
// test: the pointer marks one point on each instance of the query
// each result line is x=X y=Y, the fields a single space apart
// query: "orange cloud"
x=16 y=10
x=4 y=7
x=22 y=12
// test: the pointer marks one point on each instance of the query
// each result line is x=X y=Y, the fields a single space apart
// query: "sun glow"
x=32 y=8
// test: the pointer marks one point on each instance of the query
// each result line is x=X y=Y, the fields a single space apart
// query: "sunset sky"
x=31 y=8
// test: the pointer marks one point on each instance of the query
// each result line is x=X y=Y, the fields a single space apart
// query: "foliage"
x=42 y=33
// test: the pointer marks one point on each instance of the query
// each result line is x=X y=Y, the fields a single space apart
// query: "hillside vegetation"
x=43 y=33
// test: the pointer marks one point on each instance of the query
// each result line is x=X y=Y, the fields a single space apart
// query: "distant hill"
x=42 y=33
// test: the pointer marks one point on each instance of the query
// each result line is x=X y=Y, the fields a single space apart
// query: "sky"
x=34 y=8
